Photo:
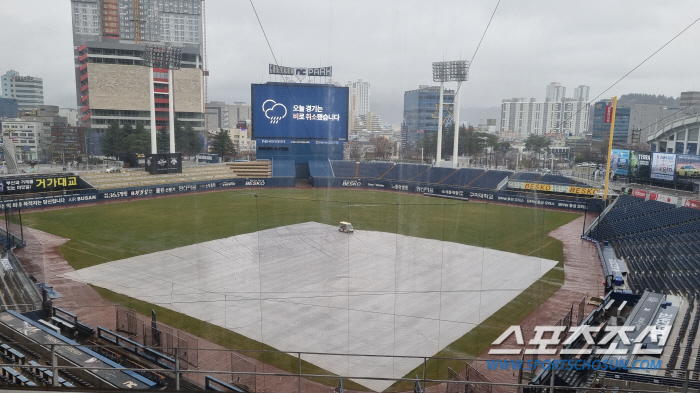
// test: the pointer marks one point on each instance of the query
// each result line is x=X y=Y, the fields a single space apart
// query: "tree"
x=193 y=144
x=382 y=147
x=163 y=140
x=222 y=145
x=537 y=144
x=139 y=140
x=113 y=141
x=354 y=150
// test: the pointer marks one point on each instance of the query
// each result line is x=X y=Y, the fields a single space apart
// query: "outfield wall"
x=504 y=196
x=86 y=196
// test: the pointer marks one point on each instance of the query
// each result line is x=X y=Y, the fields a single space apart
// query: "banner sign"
x=663 y=166
x=608 y=112
x=157 y=164
x=147 y=192
x=639 y=163
x=687 y=166
x=300 y=72
x=552 y=187
x=639 y=194
x=503 y=196
x=653 y=196
x=691 y=203
x=619 y=162
x=11 y=186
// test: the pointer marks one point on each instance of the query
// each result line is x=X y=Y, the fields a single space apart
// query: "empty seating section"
x=433 y=175
x=320 y=168
x=373 y=170
x=490 y=179
x=556 y=179
x=526 y=176
x=283 y=168
x=139 y=177
x=659 y=242
x=462 y=177
x=345 y=169
x=404 y=171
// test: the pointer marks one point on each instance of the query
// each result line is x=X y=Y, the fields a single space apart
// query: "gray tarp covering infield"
x=325 y=291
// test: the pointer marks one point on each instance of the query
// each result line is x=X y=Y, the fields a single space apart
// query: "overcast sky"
x=392 y=44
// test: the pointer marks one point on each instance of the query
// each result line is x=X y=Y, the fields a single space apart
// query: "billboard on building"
x=663 y=166
x=619 y=161
x=687 y=166
x=639 y=163
x=300 y=111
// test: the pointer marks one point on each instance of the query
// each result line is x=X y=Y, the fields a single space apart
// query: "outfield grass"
x=108 y=232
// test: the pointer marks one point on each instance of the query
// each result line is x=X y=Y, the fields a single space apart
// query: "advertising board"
x=639 y=163
x=619 y=162
x=688 y=166
x=22 y=185
x=299 y=111
x=663 y=166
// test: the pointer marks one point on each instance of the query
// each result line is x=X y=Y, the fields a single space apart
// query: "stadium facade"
x=111 y=39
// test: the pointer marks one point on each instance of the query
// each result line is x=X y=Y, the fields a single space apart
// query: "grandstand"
x=371 y=169
x=490 y=179
x=658 y=241
x=462 y=177
x=344 y=169
x=139 y=177
x=404 y=171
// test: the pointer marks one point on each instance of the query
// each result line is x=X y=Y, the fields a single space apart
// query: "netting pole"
x=54 y=368
x=177 y=370
x=299 y=375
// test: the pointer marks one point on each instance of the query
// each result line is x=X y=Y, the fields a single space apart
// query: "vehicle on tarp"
x=345 y=227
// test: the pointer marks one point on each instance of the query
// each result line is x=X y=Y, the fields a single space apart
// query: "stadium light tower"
x=161 y=57
x=449 y=71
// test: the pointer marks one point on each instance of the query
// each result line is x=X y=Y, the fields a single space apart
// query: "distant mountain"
x=629 y=100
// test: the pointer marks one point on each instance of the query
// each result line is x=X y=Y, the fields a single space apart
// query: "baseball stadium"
x=305 y=269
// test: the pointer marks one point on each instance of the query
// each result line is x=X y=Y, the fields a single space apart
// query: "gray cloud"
x=392 y=44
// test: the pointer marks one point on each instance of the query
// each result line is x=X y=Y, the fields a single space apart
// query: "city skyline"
x=515 y=59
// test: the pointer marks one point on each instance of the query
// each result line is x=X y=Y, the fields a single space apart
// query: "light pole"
x=162 y=58
x=449 y=71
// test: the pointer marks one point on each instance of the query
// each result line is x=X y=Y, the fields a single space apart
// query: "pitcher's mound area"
x=307 y=287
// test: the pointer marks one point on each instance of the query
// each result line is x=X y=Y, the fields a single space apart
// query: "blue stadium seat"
x=404 y=171
x=343 y=168
x=372 y=170
x=320 y=168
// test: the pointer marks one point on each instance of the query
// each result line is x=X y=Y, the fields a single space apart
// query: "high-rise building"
x=420 y=113
x=555 y=92
x=600 y=129
x=139 y=61
x=359 y=97
x=25 y=135
x=524 y=117
x=226 y=116
x=8 y=107
x=581 y=93
x=27 y=90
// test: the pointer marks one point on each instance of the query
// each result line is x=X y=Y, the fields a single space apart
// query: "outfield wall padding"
x=504 y=196
x=85 y=196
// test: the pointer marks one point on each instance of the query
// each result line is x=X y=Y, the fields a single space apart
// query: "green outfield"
x=107 y=232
